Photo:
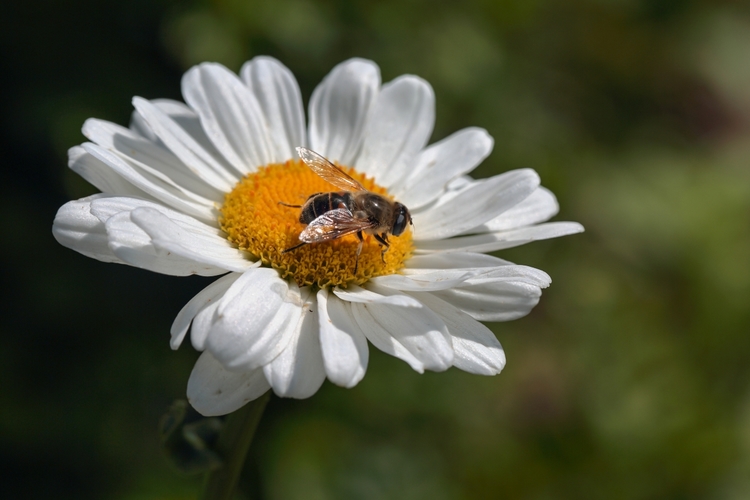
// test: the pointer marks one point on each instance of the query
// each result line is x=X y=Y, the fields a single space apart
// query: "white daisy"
x=194 y=189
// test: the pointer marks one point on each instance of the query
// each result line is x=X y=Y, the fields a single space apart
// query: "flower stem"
x=233 y=445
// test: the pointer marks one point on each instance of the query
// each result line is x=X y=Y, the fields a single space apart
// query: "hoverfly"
x=354 y=210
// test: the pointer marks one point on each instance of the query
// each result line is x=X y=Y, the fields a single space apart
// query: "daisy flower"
x=195 y=188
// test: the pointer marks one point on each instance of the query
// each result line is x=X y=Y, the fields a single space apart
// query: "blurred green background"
x=630 y=380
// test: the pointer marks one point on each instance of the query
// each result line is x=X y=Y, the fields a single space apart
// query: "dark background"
x=630 y=380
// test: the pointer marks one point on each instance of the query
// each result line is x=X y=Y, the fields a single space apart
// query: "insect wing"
x=333 y=224
x=328 y=171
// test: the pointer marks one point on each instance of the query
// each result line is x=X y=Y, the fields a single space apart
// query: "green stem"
x=233 y=445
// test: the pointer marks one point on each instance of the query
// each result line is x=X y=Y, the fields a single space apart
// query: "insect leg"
x=383 y=240
x=295 y=247
x=359 y=249
x=288 y=205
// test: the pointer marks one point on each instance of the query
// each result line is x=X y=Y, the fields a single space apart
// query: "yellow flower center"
x=255 y=221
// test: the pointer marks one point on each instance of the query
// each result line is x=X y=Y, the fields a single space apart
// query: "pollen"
x=254 y=219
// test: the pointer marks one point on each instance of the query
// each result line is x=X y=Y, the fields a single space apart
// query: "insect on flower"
x=330 y=216
x=193 y=188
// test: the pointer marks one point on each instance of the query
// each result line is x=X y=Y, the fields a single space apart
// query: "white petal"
x=76 y=228
x=482 y=201
x=476 y=268
x=432 y=280
x=133 y=245
x=203 y=299
x=381 y=338
x=144 y=154
x=279 y=97
x=457 y=260
x=440 y=163
x=399 y=127
x=511 y=273
x=476 y=348
x=538 y=207
x=213 y=390
x=188 y=120
x=230 y=114
x=458 y=184
x=344 y=347
x=100 y=175
x=494 y=301
x=155 y=184
x=417 y=330
x=255 y=320
x=490 y=242
x=204 y=321
x=105 y=207
x=172 y=234
x=339 y=109
x=139 y=126
x=194 y=241
x=298 y=372
x=354 y=293
x=185 y=146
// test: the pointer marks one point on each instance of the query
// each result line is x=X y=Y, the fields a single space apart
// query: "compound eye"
x=402 y=218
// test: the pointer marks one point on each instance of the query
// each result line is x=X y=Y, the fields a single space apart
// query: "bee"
x=330 y=216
